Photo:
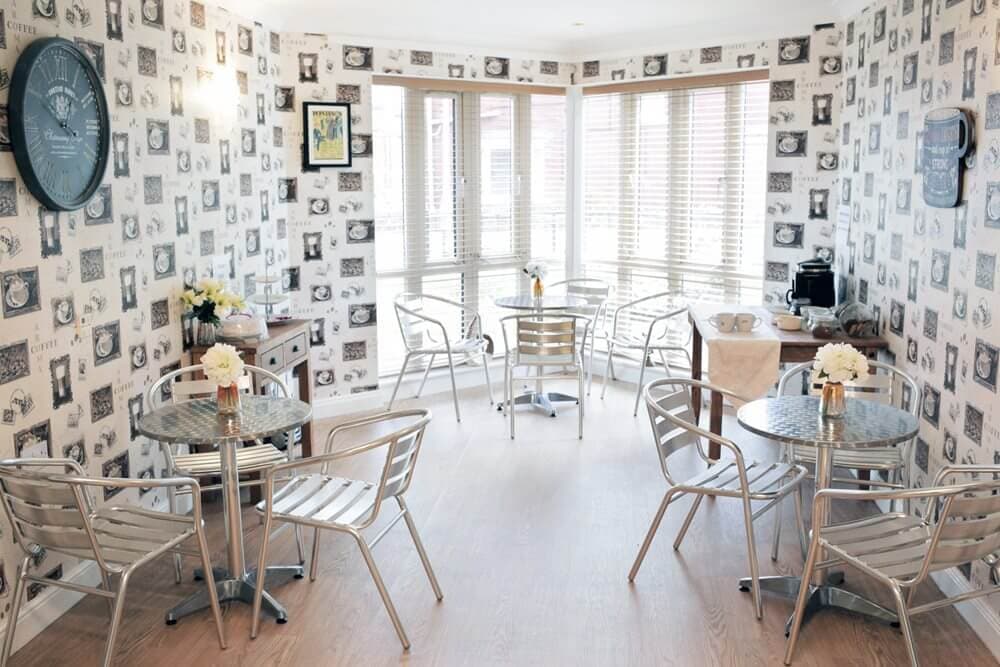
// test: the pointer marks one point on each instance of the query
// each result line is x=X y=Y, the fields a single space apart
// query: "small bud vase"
x=832 y=402
x=537 y=289
x=227 y=400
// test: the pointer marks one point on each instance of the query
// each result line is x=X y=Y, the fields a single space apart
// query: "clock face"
x=59 y=123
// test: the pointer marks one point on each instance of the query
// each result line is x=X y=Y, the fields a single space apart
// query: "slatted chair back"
x=633 y=319
x=672 y=420
x=547 y=339
x=46 y=512
x=424 y=320
x=884 y=384
x=402 y=448
x=181 y=391
x=413 y=315
x=968 y=528
x=594 y=291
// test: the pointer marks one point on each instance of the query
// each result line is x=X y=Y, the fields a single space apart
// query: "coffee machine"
x=813 y=285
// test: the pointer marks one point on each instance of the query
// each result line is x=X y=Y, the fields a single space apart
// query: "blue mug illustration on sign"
x=947 y=138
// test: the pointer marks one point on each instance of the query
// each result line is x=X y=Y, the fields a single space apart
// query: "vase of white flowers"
x=835 y=364
x=536 y=272
x=206 y=304
x=223 y=366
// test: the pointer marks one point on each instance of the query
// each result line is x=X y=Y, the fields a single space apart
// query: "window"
x=469 y=186
x=673 y=191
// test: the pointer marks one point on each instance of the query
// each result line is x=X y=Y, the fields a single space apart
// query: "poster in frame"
x=326 y=135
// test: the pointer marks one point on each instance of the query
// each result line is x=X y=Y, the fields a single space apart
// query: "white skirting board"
x=977 y=612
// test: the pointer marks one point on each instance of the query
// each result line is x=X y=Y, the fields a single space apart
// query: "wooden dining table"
x=796 y=347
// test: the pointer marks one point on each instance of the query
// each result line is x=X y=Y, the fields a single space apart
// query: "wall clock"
x=59 y=123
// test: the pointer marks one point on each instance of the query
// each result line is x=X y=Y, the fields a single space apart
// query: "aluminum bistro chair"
x=249 y=459
x=596 y=293
x=52 y=510
x=425 y=335
x=901 y=550
x=540 y=341
x=674 y=428
x=887 y=384
x=321 y=501
x=659 y=321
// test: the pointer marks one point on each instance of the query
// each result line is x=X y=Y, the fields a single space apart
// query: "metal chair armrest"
x=963 y=469
x=358 y=423
x=892 y=494
x=65 y=463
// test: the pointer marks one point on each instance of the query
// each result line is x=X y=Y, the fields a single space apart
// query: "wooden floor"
x=531 y=540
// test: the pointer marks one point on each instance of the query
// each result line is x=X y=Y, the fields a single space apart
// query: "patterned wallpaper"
x=803 y=143
x=930 y=274
x=91 y=315
x=330 y=217
x=205 y=175
x=206 y=172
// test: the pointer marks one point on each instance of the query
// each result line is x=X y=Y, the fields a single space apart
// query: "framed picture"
x=327 y=130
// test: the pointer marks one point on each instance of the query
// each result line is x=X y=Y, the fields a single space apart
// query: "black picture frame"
x=312 y=136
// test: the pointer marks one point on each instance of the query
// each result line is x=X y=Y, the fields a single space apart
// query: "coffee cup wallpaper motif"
x=206 y=177
x=89 y=298
x=205 y=171
x=928 y=273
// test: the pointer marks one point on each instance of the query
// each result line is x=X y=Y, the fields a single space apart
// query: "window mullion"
x=732 y=186
x=414 y=187
x=521 y=172
x=679 y=188
x=470 y=228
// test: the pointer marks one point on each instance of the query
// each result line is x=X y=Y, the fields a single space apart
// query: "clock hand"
x=63 y=124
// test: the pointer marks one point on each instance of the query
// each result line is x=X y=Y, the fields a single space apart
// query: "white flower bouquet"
x=536 y=270
x=839 y=363
x=223 y=365
x=209 y=301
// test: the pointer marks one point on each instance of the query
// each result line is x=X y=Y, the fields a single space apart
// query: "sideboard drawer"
x=273 y=359
x=295 y=348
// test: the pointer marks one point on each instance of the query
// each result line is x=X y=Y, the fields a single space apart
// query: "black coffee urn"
x=813 y=285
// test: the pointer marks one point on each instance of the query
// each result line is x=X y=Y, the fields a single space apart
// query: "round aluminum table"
x=539 y=398
x=197 y=423
x=795 y=420
x=553 y=302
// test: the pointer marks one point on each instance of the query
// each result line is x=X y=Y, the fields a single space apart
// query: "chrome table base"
x=239 y=590
x=542 y=400
x=822 y=597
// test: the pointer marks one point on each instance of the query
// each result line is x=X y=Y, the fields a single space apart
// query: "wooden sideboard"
x=285 y=349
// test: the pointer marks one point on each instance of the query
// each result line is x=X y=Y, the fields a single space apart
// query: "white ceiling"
x=540 y=28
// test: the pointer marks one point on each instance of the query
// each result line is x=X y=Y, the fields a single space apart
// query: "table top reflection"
x=553 y=302
x=198 y=423
x=796 y=420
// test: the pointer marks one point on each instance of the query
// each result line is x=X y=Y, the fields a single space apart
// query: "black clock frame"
x=18 y=135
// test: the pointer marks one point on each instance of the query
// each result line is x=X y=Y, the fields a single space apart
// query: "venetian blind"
x=469 y=186
x=674 y=191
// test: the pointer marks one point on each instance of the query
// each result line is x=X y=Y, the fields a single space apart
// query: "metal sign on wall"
x=946 y=140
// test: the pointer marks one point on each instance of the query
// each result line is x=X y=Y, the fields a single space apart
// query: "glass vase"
x=832 y=401
x=205 y=334
x=227 y=400
x=537 y=289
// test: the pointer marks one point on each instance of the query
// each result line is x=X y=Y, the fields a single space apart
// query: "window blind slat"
x=673 y=191
x=470 y=186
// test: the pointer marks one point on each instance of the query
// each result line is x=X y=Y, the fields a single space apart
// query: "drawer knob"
x=274 y=360
x=295 y=348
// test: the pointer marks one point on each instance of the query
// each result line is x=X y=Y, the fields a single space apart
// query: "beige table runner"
x=744 y=363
